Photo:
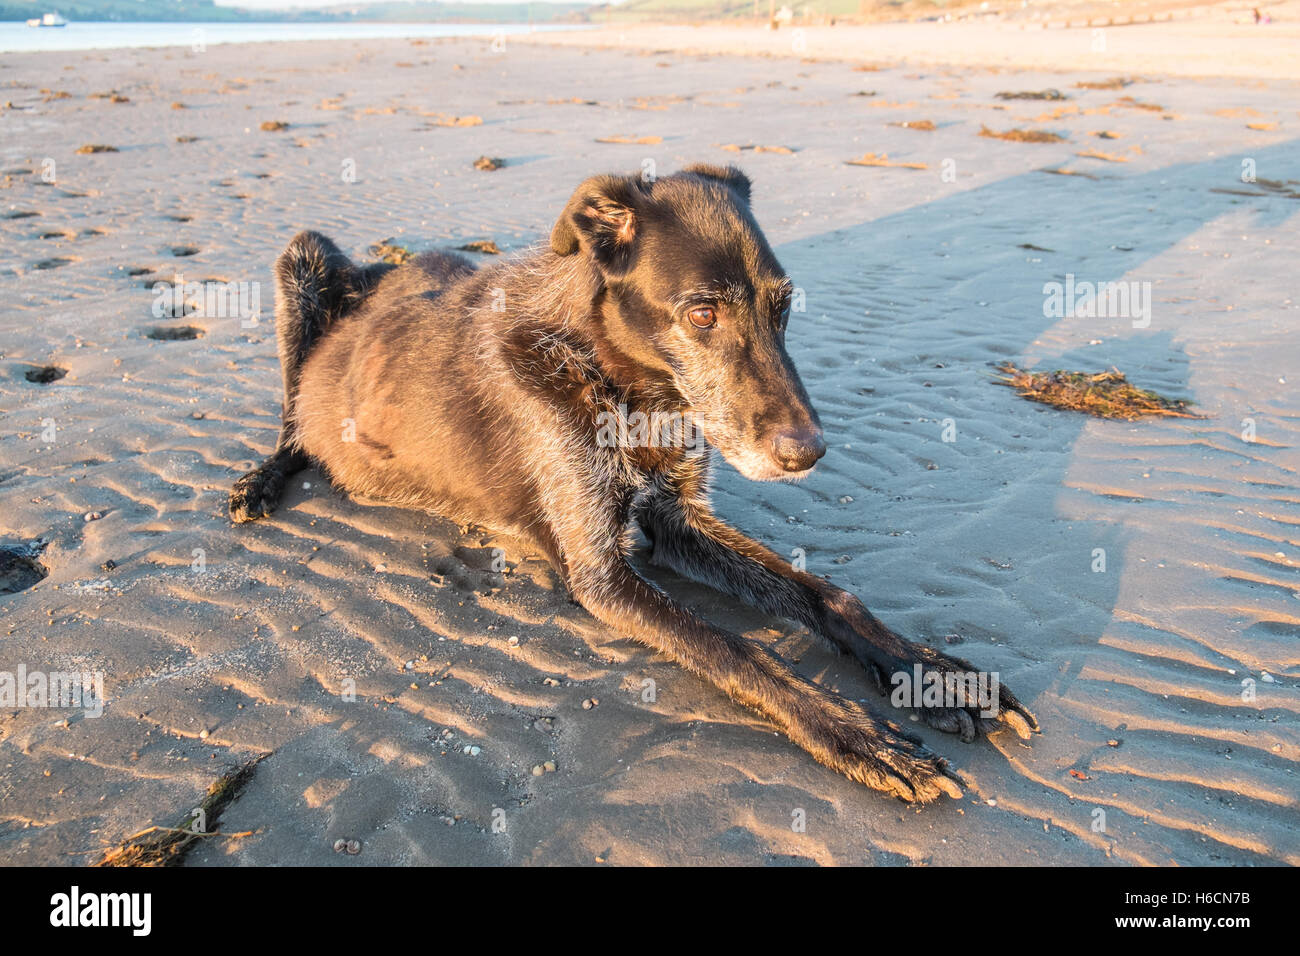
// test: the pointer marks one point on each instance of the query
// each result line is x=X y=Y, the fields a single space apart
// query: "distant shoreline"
x=17 y=37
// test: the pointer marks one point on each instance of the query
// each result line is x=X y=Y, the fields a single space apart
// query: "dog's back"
x=391 y=396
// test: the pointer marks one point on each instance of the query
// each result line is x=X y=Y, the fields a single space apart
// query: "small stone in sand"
x=96 y=148
x=489 y=163
x=274 y=126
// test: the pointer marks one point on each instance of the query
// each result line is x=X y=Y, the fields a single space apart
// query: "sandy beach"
x=405 y=688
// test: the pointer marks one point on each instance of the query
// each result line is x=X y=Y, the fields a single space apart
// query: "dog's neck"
x=645 y=384
x=576 y=297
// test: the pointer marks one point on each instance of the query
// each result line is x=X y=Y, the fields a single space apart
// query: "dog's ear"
x=727 y=175
x=602 y=219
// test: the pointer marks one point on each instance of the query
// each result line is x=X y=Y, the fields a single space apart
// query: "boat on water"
x=49 y=20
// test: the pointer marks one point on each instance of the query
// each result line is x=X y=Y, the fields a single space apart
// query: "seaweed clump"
x=1103 y=394
x=167 y=846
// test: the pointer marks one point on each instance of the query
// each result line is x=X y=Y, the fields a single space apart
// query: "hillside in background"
x=207 y=11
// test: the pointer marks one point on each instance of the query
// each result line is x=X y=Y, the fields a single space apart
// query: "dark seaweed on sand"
x=389 y=251
x=1033 y=95
x=167 y=846
x=1023 y=135
x=1103 y=394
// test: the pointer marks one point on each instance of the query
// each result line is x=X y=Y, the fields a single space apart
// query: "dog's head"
x=694 y=294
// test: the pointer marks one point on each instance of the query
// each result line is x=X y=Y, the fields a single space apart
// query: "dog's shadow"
x=979 y=541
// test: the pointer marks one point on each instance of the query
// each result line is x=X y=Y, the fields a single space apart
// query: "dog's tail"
x=315 y=286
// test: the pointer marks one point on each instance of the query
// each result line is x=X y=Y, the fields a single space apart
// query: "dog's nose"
x=799 y=449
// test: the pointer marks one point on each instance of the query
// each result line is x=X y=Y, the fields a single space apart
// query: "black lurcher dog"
x=488 y=396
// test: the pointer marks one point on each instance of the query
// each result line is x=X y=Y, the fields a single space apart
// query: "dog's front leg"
x=692 y=541
x=839 y=733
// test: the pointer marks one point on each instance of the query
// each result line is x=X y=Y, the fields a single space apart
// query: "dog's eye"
x=705 y=317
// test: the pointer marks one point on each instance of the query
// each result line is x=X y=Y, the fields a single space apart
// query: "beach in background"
x=427 y=690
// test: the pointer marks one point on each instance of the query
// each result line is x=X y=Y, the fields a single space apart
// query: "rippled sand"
x=219 y=643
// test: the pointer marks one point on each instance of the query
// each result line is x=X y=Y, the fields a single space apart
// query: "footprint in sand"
x=18 y=570
x=21 y=214
x=54 y=263
x=70 y=234
x=45 y=374
x=176 y=310
x=182 y=251
x=181 y=332
x=463 y=577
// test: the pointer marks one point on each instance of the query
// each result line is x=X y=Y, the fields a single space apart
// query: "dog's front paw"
x=950 y=695
x=881 y=756
x=946 y=692
x=256 y=494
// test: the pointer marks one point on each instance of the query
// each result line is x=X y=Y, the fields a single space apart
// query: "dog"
x=487 y=395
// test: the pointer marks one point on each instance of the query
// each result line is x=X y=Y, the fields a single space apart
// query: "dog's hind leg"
x=315 y=286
